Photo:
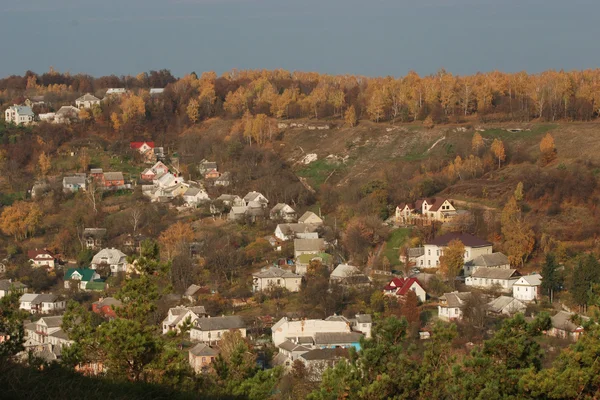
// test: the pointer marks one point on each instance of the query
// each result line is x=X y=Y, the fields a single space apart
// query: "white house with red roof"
x=41 y=258
x=399 y=287
x=154 y=171
x=433 y=209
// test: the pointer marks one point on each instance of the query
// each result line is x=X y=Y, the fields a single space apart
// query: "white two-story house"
x=474 y=247
x=527 y=288
x=19 y=115
x=210 y=330
x=275 y=277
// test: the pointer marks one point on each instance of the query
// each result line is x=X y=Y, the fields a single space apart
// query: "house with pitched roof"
x=303 y=261
x=75 y=183
x=231 y=200
x=115 y=259
x=567 y=325
x=493 y=278
x=211 y=329
x=19 y=115
x=88 y=100
x=474 y=247
x=399 y=287
x=528 y=288
x=283 y=212
x=201 y=356
x=81 y=277
x=275 y=277
x=308 y=246
x=256 y=197
x=94 y=238
x=348 y=275
x=194 y=196
x=8 y=286
x=505 y=305
x=106 y=307
x=493 y=260
x=46 y=331
x=114 y=180
x=180 y=315
x=206 y=166
x=41 y=258
x=41 y=303
x=316 y=361
x=224 y=179
x=451 y=305
x=155 y=171
x=429 y=209
x=310 y=217
x=141 y=147
x=286 y=232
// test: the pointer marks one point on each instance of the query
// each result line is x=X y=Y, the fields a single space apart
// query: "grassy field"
x=318 y=171
x=536 y=130
x=397 y=239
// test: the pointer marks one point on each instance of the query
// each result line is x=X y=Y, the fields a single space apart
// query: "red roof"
x=466 y=239
x=137 y=145
x=34 y=254
x=402 y=285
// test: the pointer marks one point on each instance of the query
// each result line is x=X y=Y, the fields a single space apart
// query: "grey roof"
x=180 y=310
x=228 y=197
x=288 y=229
x=44 y=298
x=209 y=165
x=495 y=273
x=490 y=260
x=192 y=191
x=74 y=180
x=416 y=251
x=225 y=176
x=88 y=97
x=190 y=291
x=325 y=354
x=364 y=318
x=497 y=305
x=219 y=323
x=339 y=318
x=6 y=285
x=309 y=244
x=202 y=349
x=94 y=232
x=456 y=299
x=287 y=345
x=109 y=301
x=532 y=280
x=279 y=206
x=68 y=111
x=275 y=272
x=344 y=271
x=53 y=322
x=60 y=334
x=307 y=215
x=23 y=110
x=112 y=256
x=156 y=90
x=96 y=170
x=113 y=176
x=337 y=337
x=562 y=321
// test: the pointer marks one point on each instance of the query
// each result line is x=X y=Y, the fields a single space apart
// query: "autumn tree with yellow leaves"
x=45 y=164
x=174 y=238
x=20 y=220
x=547 y=149
x=452 y=261
x=350 y=117
x=477 y=143
x=498 y=151
x=519 y=239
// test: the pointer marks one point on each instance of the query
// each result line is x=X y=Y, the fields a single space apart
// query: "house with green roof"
x=83 y=277
x=303 y=261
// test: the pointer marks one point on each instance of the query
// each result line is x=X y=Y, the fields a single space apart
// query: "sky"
x=363 y=37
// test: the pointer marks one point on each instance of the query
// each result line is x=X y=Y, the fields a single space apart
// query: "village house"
x=201 y=356
x=288 y=353
x=19 y=115
x=34 y=101
x=193 y=292
x=275 y=277
x=75 y=183
x=41 y=303
x=94 y=238
x=361 y=323
x=66 y=114
x=115 y=92
x=231 y=200
x=212 y=174
x=238 y=213
x=528 y=288
x=41 y=258
x=283 y=212
x=316 y=361
x=256 y=197
x=98 y=175
x=180 y=316
x=106 y=307
x=304 y=261
x=335 y=331
x=224 y=179
x=211 y=329
x=8 y=286
x=116 y=259
x=348 y=275
x=505 y=305
x=451 y=305
x=399 y=287
x=310 y=217
x=45 y=338
x=287 y=232
x=155 y=171
x=493 y=278
x=146 y=149
x=567 y=325
x=432 y=209
x=80 y=277
x=474 y=247
x=87 y=101
x=114 y=180
x=194 y=196
x=308 y=246
x=413 y=256
x=206 y=166
x=493 y=260
x=156 y=91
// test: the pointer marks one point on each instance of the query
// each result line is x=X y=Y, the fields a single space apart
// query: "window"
x=279 y=281
x=429 y=262
x=428 y=252
x=203 y=359
x=218 y=334
x=438 y=253
x=455 y=311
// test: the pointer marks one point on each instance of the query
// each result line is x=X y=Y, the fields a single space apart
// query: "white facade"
x=527 y=288
x=211 y=329
x=87 y=101
x=310 y=217
x=116 y=259
x=19 y=115
x=293 y=329
x=41 y=303
x=489 y=278
x=431 y=258
x=276 y=277
x=179 y=316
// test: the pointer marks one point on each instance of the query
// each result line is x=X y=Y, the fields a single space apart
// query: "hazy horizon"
x=376 y=38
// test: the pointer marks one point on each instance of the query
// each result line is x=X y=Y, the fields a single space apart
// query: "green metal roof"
x=96 y=285
x=86 y=273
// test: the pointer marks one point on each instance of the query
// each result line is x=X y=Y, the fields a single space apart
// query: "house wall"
x=309 y=327
x=291 y=284
x=449 y=313
x=48 y=308
x=200 y=363
x=525 y=292
x=431 y=258
x=211 y=336
x=505 y=284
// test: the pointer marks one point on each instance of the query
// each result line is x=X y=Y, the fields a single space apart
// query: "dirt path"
x=473 y=205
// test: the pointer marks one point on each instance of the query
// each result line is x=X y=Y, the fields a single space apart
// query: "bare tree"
x=94 y=194
x=135 y=218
